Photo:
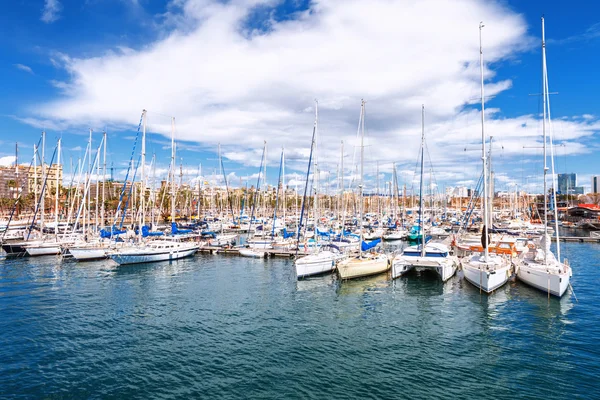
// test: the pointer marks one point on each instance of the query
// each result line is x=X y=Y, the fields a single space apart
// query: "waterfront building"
x=595 y=184
x=34 y=175
x=11 y=182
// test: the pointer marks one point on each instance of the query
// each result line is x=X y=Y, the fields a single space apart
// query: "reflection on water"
x=229 y=327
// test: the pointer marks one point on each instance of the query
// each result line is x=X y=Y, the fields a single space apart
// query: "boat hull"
x=357 y=268
x=138 y=258
x=253 y=253
x=43 y=251
x=484 y=279
x=84 y=254
x=444 y=266
x=315 y=264
x=538 y=277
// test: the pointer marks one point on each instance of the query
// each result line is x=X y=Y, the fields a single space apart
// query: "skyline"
x=241 y=72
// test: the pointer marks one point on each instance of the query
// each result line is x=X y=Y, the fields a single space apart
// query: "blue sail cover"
x=367 y=246
x=321 y=233
x=146 y=232
x=176 y=231
x=107 y=233
x=287 y=234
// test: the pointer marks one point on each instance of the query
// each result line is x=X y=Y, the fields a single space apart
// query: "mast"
x=42 y=201
x=89 y=179
x=378 y=209
x=342 y=183
x=143 y=173
x=172 y=170
x=283 y=182
x=104 y=179
x=316 y=163
x=56 y=195
x=361 y=189
x=483 y=156
x=547 y=99
x=421 y=217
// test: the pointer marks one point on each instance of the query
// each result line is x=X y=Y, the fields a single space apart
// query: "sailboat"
x=322 y=260
x=485 y=270
x=370 y=263
x=540 y=268
x=434 y=256
x=171 y=248
x=256 y=248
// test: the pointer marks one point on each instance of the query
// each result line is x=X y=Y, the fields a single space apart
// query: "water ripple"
x=226 y=327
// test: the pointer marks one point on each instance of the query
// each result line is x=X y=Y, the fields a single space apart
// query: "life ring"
x=531 y=246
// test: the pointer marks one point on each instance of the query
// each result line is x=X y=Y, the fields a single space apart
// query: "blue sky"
x=244 y=71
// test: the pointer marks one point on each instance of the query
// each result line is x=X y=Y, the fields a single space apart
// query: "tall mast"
x=377 y=171
x=421 y=216
x=483 y=155
x=342 y=183
x=97 y=215
x=104 y=179
x=544 y=135
x=362 y=154
x=43 y=202
x=56 y=194
x=143 y=174
x=172 y=169
x=316 y=163
x=283 y=182
x=89 y=178
x=547 y=99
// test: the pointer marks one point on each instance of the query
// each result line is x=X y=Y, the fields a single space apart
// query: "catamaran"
x=435 y=256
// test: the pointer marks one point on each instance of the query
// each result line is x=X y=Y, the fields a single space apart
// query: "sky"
x=237 y=73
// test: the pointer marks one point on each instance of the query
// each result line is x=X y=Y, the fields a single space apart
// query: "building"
x=567 y=183
x=12 y=182
x=595 y=184
x=34 y=177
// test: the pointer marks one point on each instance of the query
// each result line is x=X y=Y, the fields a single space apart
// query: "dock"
x=580 y=239
x=236 y=251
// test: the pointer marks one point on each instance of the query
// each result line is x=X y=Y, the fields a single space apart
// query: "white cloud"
x=7 y=161
x=51 y=11
x=24 y=67
x=236 y=86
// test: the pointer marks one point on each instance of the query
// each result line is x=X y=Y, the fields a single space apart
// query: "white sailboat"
x=322 y=260
x=158 y=250
x=435 y=256
x=540 y=268
x=485 y=270
x=365 y=264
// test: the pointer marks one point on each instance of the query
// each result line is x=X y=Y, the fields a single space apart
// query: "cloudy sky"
x=240 y=72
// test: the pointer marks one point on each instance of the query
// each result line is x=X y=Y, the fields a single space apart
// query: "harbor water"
x=224 y=327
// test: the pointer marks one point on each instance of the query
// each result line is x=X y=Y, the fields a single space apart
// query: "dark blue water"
x=227 y=327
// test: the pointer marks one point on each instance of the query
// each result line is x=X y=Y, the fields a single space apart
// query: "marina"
x=209 y=322
x=299 y=199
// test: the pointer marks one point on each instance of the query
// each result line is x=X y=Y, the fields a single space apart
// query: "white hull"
x=263 y=245
x=83 y=254
x=369 y=265
x=487 y=276
x=395 y=236
x=316 y=264
x=540 y=277
x=44 y=250
x=255 y=253
x=444 y=266
x=152 y=255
